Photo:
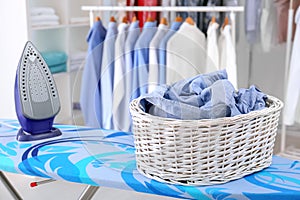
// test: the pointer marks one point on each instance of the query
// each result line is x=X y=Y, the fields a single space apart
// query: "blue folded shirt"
x=206 y=96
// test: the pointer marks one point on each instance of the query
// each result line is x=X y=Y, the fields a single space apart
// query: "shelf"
x=35 y=28
x=48 y=27
x=79 y=25
x=70 y=37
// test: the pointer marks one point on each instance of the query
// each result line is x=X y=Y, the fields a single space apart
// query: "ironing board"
x=106 y=158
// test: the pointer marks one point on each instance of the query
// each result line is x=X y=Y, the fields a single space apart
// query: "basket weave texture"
x=204 y=152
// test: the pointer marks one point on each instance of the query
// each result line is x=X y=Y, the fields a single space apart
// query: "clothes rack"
x=142 y=80
x=231 y=9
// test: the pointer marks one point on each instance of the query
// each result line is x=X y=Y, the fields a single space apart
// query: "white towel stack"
x=77 y=60
x=44 y=16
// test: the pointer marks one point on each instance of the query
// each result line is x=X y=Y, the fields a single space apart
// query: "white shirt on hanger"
x=119 y=79
x=153 y=57
x=228 y=55
x=268 y=25
x=212 y=61
x=293 y=87
x=186 y=53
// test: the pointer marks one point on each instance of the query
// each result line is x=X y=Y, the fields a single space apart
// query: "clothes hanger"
x=164 y=21
x=226 y=22
x=125 y=20
x=134 y=19
x=97 y=19
x=178 y=19
x=190 y=21
x=213 y=19
x=112 y=19
x=149 y=19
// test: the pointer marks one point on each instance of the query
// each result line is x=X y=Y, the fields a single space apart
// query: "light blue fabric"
x=58 y=68
x=250 y=99
x=96 y=35
x=107 y=76
x=206 y=96
x=120 y=118
x=90 y=94
x=141 y=60
x=54 y=57
x=162 y=58
x=132 y=37
x=253 y=11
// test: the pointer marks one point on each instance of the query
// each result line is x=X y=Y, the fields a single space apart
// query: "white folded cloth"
x=42 y=10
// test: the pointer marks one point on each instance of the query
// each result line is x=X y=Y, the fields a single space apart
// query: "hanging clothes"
x=90 y=94
x=109 y=13
x=208 y=15
x=132 y=36
x=228 y=55
x=212 y=61
x=186 y=53
x=184 y=15
x=165 y=14
x=130 y=14
x=162 y=51
x=252 y=20
x=141 y=60
x=119 y=90
x=172 y=13
x=282 y=7
x=106 y=77
x=201 y=17
x=268 y=24
x=143 y=15
x=237 y=19
x=293 y=86
x=154 y=57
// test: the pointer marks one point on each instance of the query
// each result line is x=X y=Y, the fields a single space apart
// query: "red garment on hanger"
x=130 y=14
x=143 y=15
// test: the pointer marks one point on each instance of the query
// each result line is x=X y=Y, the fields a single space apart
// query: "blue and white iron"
x=36 y=97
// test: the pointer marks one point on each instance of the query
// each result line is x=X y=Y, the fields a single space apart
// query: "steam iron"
x=36 y=97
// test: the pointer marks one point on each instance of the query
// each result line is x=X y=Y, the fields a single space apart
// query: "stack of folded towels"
x=44 y=16
x=77 y=60
x=206 y=96
x=56 y=61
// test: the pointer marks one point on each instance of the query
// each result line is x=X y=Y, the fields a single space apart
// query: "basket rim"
x=276 y=105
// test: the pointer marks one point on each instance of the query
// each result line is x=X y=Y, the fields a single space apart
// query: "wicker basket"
x=204 y=152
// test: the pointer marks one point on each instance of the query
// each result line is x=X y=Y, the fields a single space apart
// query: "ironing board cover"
x=106 y=158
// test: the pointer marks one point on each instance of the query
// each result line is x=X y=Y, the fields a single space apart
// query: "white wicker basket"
x=204 y=152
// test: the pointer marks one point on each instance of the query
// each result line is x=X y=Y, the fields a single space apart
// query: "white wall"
x=13 y=36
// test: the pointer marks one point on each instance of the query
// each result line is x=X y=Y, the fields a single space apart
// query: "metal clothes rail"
x=231 y=9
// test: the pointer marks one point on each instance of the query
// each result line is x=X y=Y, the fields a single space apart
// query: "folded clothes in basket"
x=206 y=96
